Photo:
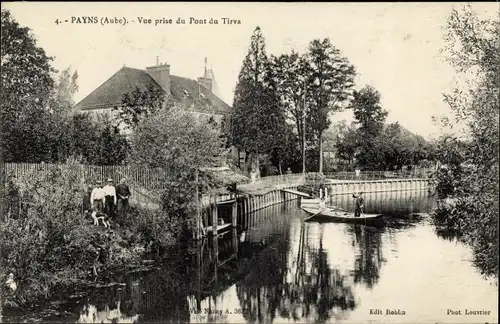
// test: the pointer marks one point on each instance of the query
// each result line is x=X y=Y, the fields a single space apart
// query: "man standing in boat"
x=359 y=203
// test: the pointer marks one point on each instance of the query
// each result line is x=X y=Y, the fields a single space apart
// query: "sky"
x=395 y=47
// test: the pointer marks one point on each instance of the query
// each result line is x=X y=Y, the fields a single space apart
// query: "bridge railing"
x=378 y=175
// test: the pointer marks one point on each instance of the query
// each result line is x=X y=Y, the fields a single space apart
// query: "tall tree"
x=26 y=88
x=370 y=117
x=291 y=72
x=473 y=49
x=60 y=110
x=331 y=83
x=257 y=117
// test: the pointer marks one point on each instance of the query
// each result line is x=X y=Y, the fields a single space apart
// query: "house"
x=196 y=95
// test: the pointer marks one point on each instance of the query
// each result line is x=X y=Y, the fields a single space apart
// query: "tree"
x=346 y=141
x=140 y=103
x=256 y=118
x=286 y=155
x=112 y=147
x=60 y=113
x=179 y=144
x=370 y=117
x=473 y=48
x=331 y=83
x=26 y=88
x=290 y=73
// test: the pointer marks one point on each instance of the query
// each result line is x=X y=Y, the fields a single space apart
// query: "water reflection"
x=368 y=254
x=278 y=269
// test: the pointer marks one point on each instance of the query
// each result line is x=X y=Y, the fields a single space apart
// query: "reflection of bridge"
x=223 y=260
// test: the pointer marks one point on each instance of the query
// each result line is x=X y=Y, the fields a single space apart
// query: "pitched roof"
x=126 y=80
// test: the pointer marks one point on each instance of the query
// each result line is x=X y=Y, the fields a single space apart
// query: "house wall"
x=110 y=113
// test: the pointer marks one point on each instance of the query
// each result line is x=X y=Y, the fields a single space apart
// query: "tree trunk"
x=321 y=153
x=257 y=164
x=247 y=162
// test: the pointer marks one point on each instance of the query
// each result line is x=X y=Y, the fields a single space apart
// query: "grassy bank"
x=49 y=245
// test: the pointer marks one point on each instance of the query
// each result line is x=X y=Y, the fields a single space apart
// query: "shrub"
x=154 y=227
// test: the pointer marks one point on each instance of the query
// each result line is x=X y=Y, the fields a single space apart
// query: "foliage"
x=290 y=72
x=26 y=88
x=470 y=180
x=140 y=103
x=288 y=154
x=368 y=113
x=51 y=244
x=156 y=230
x=370 y=117
x=37 y=117
x=95 y=141
x=312 y=86
x=257 y=119
x=374 y=144
x=50 y=235
x=180 y=142
x=346 y=141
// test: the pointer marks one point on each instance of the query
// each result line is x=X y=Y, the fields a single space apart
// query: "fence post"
x=214 y=217
x=234 y=211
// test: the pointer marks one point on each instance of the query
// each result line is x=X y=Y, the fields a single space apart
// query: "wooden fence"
x=147 y=178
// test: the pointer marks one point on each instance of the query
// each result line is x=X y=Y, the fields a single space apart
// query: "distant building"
x=196 y=95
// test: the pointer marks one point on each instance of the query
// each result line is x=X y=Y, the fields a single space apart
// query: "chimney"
x=161 y=74
x=206 y=83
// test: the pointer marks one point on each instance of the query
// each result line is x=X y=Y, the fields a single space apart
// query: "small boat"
x=331 y=215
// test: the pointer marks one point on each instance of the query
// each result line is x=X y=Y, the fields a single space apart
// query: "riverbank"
x=46 y=261
x=359 y=264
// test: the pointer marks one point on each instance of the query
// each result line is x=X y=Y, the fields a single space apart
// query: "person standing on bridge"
x=359 y=203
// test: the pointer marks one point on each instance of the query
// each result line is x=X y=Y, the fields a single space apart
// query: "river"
x=284 y=270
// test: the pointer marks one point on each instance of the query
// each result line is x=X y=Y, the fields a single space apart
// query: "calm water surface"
x=281 y=270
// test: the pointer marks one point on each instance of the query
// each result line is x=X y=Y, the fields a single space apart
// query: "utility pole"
x=304 y=133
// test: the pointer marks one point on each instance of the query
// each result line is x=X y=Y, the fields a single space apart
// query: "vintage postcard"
x=249 y=162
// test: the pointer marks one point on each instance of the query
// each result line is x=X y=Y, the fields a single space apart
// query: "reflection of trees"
x=369 y=255
x=158 y=296
x=165 y=296
x=310 y=290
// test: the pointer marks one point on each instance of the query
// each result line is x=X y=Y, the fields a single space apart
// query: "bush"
x=154 y=227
